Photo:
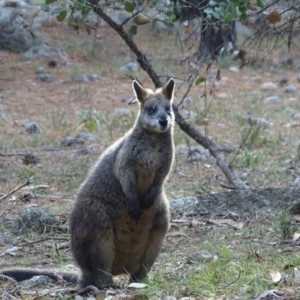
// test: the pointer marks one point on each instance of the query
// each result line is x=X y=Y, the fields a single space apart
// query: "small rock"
x=45 y=52
x=72 y=140
x=32 y=128
x=87 y=136
x=188 y=114
x=269 y=86
x=193 y=153
x=272 y=100
x=253 y=94
x=80 y=78
x=184 y=207
x=256 y=79
x=46 y=77
x=2 y=96
x=188 y=100
x=169 y=75
x=296 y=183
x=36 y=281
x=290 y=89
x=234 y=69
x=95 y=77
x=198 y=153
x=259 y=122
x=39 y=70
x=1 y=109
x=202 y=257
x=34 y=218
x=295 y=115
x=284 y=80
x=129 y=68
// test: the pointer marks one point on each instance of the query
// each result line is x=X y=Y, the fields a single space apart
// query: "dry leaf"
x=242 y=54
x=137 y=285
x=274 y=17
x=142 y=20
x=296 y=276
x=218 y=76
x=187 y=30
x=176 y=233
x=195 y=224
x=237 y=225
x=296 y=236
x=256 y=256
x=276 y=276
x=243 y=64
x=101 y=296
x=271 y=294
x=208 y=67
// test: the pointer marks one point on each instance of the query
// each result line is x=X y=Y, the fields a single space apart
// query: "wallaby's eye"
x=168 y=110
x=152 y=110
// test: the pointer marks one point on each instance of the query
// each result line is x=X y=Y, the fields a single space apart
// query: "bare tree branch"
x=184 y=126
x=28 y=182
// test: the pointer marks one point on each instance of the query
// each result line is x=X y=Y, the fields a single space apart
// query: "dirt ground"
x=240 y=260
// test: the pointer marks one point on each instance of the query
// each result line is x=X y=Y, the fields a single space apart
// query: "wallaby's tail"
x=23 y=274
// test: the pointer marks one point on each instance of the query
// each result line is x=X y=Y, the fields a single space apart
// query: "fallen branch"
x=28 y=182
x=45 y=239
x=184 y=126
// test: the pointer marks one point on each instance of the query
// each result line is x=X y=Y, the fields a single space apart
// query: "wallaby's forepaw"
x=147 y=201
x=135 y=212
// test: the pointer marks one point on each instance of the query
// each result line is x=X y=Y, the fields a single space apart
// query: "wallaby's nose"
x=163 y=122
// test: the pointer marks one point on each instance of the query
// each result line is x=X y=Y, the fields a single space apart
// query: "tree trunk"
x=216 y=39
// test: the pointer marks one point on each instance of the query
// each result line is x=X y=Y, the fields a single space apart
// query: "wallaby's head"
x=156 y=113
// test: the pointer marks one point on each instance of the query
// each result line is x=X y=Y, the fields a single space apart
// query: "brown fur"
x=121 y=215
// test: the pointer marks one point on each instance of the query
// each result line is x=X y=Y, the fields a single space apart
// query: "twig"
x=45 y=239
x=233 y=282
x=8 y=278
x=89 y=288
x=13 y=154
x=241 y=145
x=5 y=79
x=28 y=182
x=184 y=126
x=132 y=16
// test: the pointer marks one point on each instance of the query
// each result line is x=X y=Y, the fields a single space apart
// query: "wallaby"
x=121 y=215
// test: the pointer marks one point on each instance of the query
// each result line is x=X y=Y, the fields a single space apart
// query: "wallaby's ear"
x=139 y=91
x=168 y=89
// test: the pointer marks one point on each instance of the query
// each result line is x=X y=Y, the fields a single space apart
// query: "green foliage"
x=129 y=6
x=250 y=158
x=286 y=226
x=90 y=121
x=61 y=16
x=221 y=11
x=132 y=31
x=82 y=6
x=200 y=80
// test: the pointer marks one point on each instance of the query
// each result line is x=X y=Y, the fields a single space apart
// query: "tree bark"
x=186 y=127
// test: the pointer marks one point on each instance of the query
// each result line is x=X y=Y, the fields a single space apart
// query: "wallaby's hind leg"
x=94 y=252
x=156 y=240
x=95 y=260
